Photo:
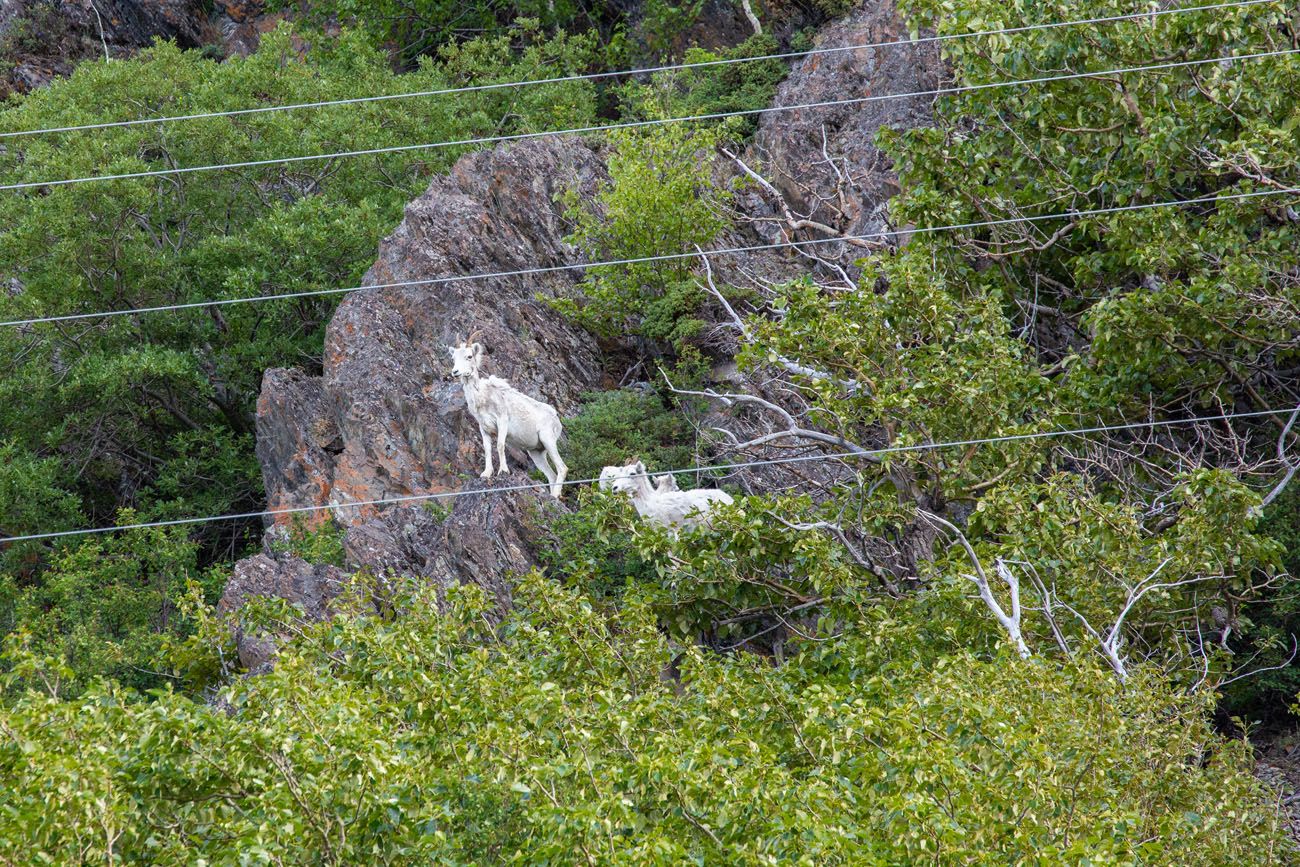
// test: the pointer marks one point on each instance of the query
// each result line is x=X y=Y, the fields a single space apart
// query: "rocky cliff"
x=824 y=161
x=44 y=39
x=385 y=421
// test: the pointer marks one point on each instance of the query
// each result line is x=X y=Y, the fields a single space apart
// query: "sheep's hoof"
x=503 y=470
x=486 y=474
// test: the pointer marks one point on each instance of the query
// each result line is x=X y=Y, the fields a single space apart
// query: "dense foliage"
x=660 y=204
x=561 y=739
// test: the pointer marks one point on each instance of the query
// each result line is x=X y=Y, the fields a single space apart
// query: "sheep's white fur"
x=663 y=484
x=510 y=416
x=660 y=503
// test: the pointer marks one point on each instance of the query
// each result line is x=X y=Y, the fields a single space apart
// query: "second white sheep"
x=662 y=504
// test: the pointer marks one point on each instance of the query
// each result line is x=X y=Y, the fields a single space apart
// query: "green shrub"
x=320 y=544
x=107 y=606
x=613 y=427
x=711 y=89
x=1266 y=629
x=435 y=738
x=660 y=200
x=593 y=548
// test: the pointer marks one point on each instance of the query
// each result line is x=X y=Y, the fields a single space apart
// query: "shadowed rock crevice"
x=41 y=40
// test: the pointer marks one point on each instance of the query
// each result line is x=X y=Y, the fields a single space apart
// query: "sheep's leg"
x=561 y=468
x=539 y=461
x=502 y=430
x=487 y=453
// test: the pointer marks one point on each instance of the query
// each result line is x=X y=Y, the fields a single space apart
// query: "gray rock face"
x=387 y=370
x=386 y=420
x=478 y=538
x=794 y=147
x=310 y=588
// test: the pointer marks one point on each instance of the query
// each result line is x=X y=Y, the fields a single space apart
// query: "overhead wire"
x=639 y=124
x=710 y=468
x=664 y=257
x=645 y=70
x=1074 y=214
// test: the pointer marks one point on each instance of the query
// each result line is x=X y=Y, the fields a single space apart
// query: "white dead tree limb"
x=1010 y=621
x=1048 y=607
x=1111 y=643
x=855 y=551
x=793 y=429
x=793 y=222
x=789 y=364
x=1290 y=465
x=1295 y=648
x=753 y=19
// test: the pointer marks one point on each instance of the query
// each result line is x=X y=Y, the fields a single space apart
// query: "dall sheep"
x=663 y=484
x=510 y=416
x=661 y=504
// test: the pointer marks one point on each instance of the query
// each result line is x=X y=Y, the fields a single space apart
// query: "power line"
x=641 y=124
x=862 y=453
x=647 y=70
x=665 y=257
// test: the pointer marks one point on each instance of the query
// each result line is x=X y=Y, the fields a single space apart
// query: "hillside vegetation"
x=969 y=639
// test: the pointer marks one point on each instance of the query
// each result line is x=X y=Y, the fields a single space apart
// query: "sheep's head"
x=628 y=479
x=466 y=358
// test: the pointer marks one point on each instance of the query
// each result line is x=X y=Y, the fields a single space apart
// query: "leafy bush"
x=660 y=200
x=593 y=548
x=434 y=738
x=613 y=427
x=109 y=606
x=711 y=89
x=1267 y=628
x=320 y=544
x=32 y=500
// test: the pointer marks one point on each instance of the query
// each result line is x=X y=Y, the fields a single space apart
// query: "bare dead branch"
x=1010 y=622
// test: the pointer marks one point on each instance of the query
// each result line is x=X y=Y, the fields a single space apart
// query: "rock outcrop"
x=386 y=421
x=824 y=168
x=824 y=161
x=44 y=39
x=477 y=538
x=309 y=588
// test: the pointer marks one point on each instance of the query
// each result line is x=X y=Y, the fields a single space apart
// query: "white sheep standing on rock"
x=509 y=415
x=662 y=504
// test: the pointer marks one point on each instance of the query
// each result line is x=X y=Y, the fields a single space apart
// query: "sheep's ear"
x=640 y=467
x=478 y=349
